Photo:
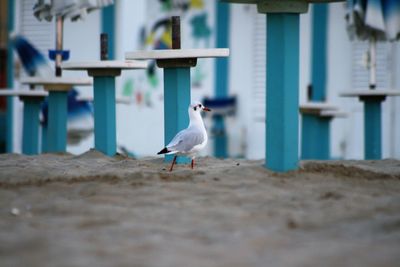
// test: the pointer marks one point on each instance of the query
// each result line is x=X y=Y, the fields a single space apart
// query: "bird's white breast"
x=199 y=147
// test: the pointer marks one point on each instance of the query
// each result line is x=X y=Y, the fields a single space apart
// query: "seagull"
x=190 y=140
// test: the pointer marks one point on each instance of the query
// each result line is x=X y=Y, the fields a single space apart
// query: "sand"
x=91 y=210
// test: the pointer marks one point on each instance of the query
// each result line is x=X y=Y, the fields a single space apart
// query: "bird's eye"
x=195 y=108
x=199 y=105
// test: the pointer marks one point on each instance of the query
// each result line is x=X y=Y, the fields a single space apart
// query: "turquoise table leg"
x=318 y=52
x=176 y=103
x=221 y=140
x=282 y=94
x=57 y=123
x=316 y=130
x=30 y=129
x=11 y=4
x=315 y=135
x=372 y=128
x=44 y=138
x=104 y=115
x=221 y=76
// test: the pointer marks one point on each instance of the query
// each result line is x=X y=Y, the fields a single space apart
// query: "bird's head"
x=195 y=110
x=197 y=107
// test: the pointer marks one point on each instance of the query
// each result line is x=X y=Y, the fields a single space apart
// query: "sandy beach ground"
x=91 y=210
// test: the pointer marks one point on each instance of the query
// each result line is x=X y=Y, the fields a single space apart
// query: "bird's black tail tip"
x=163 y=151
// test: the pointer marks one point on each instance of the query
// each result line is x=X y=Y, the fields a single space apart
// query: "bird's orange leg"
x=173 y=162
x=192 y=163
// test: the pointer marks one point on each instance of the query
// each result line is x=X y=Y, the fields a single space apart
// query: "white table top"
x=333 y=113
x=318 y=106
x=104 y=64
x=369 y=92
x=178 y=53
x=31 y=93
x=118 y=100
x=57 y=81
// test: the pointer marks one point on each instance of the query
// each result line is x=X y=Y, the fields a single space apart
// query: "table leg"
x=104 y=115
x=57 y=122
x=221 y=140
x=282 y=95
x=176 y=103
x=44 y=138
x=30 y=130
x=372 y=129
x=315 y=133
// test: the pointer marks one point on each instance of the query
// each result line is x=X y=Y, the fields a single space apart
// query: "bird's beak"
x=206 y=109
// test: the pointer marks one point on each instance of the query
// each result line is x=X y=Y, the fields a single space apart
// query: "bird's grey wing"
x=185 y=140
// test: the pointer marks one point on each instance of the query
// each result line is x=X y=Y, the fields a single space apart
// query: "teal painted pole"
x=57 y=121
x=372 y=128
x=104 y=115
x=315 y=140
x=108 y=26
x=44 y=138
x=10 y=77
x=318 y=51
x=220 y=137
x=176 y=103
x=221 y=76
x=30 y=130
x=315 y=137
x=282 y=107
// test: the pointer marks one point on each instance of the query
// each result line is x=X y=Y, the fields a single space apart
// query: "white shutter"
x=360 y=77
x=259 y=66
x=40 y=33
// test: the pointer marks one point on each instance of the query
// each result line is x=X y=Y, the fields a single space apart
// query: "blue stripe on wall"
x=10 y=77
x=319 y=46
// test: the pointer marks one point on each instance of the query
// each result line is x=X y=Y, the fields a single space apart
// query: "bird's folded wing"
x=185 y=140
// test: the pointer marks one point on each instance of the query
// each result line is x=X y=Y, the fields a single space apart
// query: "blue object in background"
x=3 y=132
x=32 y=60
x=221 y=78
x=10 y=77
x=76 y=108
x=315 y=137
x=64 y=54
x=77 y=111
x=319 y=52
x=372 y=127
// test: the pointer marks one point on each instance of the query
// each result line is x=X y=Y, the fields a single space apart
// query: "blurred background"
x=141 y=24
